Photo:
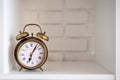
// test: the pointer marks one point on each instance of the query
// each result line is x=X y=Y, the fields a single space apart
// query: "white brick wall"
x=50 y=17
x=53 y=30
x=75 y=56
x=70 y=25
x=76 y=17
x=74 y=45
x=29 y=17
x=55 y=56
x=79 y=4
x=61 y=44
x=41 y=4
x=79 y=31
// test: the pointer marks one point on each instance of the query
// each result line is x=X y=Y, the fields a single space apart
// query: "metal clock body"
x=31 y=52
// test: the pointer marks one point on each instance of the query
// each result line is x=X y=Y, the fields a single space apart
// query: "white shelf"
x=64 y=70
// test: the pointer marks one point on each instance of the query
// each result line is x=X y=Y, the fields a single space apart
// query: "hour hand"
x=29 y=59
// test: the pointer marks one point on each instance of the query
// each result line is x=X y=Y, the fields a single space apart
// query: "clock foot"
x=41 y=69
x=20 y=69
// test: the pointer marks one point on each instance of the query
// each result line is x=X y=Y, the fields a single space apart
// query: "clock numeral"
x=39 y=57
x=41 y=53
x=27 y=61
x=23 y=50
x=32 y=62
x=24 y=58
x=37 y=61
x=39 y=48
x=31 y=44
x=22 y=54
x=26 y=46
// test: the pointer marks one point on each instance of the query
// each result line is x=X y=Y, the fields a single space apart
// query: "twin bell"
x=25 y=34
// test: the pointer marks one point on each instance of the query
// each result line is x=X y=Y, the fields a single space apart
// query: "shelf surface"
x=64 y=70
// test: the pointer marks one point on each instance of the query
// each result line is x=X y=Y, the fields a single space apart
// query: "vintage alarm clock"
x=31 y=52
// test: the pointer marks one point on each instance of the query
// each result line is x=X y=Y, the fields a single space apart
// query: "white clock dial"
x=31 y=54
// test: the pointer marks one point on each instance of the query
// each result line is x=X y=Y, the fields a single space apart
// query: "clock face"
x=31 y=54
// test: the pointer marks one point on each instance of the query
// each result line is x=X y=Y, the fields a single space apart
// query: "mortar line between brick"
x=63 y=23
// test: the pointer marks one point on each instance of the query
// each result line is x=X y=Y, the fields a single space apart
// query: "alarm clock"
x=31 y=52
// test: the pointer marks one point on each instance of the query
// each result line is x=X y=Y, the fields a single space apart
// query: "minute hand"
x=33 y=50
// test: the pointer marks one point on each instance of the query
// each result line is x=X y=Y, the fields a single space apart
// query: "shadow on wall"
x=11 y=51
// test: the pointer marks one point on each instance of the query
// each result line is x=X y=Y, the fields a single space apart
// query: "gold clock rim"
x=17 y=49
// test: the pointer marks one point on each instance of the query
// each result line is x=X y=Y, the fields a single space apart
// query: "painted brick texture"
x=69 y=24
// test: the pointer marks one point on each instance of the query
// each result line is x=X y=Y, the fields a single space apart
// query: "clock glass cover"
x=31 y=54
